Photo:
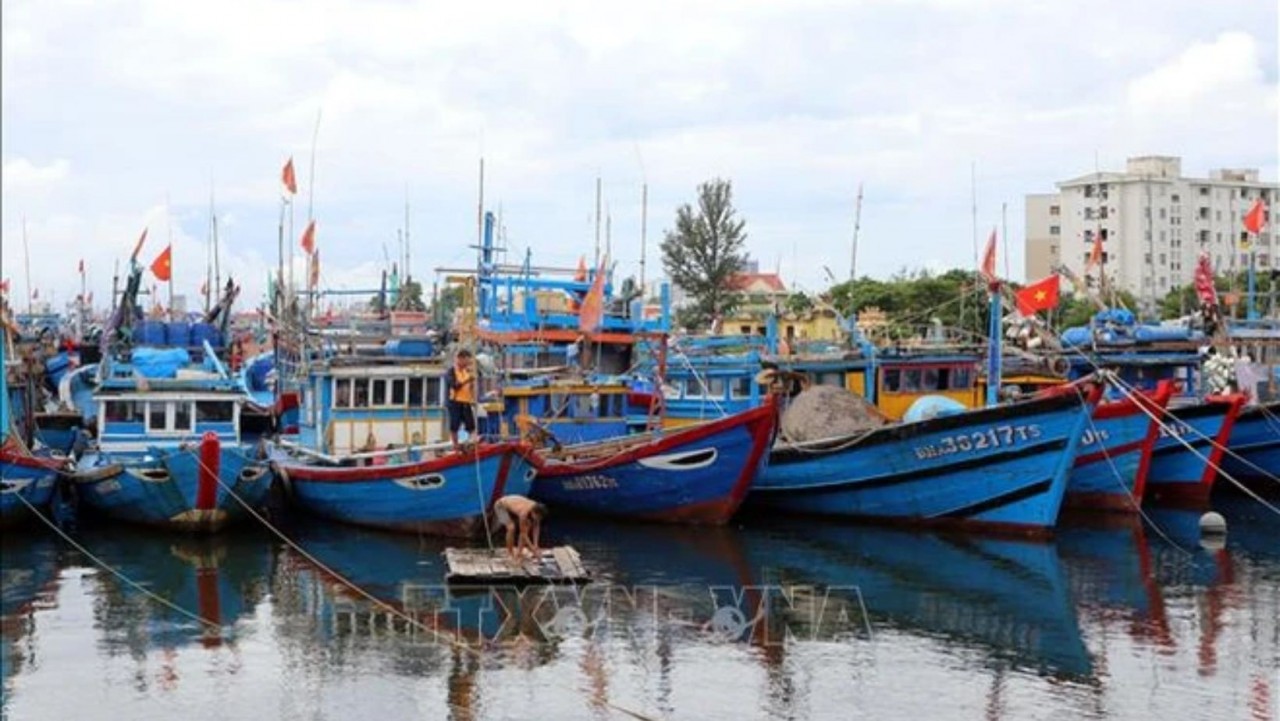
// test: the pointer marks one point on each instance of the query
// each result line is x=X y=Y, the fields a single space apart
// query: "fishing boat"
x=1110 y=472
x=1003 y=468
x=368 y=449
x=698 y=474
x=27 y=480
x=1255 y=446
x=169 y=450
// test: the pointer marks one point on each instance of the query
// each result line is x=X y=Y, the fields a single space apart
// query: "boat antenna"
x=857 y=224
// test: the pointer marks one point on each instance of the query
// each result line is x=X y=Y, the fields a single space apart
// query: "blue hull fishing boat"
x=27 y=481
x=445 y=496
x=698 y=474
x=169 y=451
x=1255 y=445
x=1192 y=444
x=1000 y=468
x=27 y=485
x=1110 y=472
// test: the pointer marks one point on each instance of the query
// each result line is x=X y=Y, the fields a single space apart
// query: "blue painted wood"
x=24 y=478
x=1189 y=449
x=1003 y=468
x=158 y=487
x=439 y=496
x=699 y=474
x=1255 y=444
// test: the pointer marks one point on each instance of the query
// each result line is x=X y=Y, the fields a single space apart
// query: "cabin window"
x=397 y=391
x=911 y=380
x=742 y=387
x=379 y=395
x=435 y=392
x=833 y=378
x=717 y=387
x=124 y=411
x=416 y=395
x=360 y=392
x=182 y=417
x=961 y=379
x=214 y=412
x=892 y=380
x=930 y=380
x=582 y=405
x=342 y=393
x=156 y=420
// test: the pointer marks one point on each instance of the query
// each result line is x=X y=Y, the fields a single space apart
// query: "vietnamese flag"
x=309 y=238
x=162 y=266
x=592 y=312
x=989 y=258
x=1254 y=220
x=288 y=178
x=1041 y=295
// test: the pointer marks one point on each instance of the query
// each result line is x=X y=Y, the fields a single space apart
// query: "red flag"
x=581 y=273
x=1254 y=220
x=1095 y=255
x=138 y=248
x=1041 y=295
x=1204 y=282
x=309 y=238
x=592 y=312
x=162 y=266
x=989 y=258
x=288 y=178
x=82 y=266
x=4 y=286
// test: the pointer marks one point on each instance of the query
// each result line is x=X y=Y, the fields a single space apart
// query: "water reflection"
x=779 y=618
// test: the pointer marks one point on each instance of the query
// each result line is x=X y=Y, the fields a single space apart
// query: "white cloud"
x=797 y=103
x=21 y=175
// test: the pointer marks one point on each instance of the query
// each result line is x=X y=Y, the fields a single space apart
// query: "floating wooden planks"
x=492 y=566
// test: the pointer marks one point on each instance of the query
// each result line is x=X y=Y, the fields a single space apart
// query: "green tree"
x=704 y=252
x=449 y=299
x=410 y=297
x=799 y=303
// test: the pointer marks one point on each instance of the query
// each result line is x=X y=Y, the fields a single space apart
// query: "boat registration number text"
x=998 y=437
x=589 y=483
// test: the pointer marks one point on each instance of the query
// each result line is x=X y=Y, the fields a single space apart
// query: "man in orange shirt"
x=461 y=384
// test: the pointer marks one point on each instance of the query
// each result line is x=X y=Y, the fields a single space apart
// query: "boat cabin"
x=136 y=420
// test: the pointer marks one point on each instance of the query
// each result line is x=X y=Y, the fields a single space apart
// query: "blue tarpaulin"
x=160 y=362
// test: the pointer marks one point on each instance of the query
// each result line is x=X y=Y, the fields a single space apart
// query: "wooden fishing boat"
x=1191 y=446
x=1110 y=472
x=697 y=474
x=1255 y=446
x=411 y=489
x=1003 y=468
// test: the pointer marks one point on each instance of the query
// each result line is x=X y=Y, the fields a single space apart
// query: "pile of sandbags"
x=822 y=412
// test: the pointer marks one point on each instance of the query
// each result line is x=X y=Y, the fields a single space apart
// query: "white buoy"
x=1213 y=524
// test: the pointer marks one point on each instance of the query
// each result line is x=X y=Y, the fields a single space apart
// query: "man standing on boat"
x=461 y=384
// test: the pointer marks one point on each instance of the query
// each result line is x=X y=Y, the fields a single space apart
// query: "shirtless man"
x=511 y=512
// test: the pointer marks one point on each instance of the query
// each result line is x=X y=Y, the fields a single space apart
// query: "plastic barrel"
x=201 y=332
x=179 y=334
x=149 y=332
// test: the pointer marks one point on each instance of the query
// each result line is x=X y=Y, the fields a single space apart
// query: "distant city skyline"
x=112 y=109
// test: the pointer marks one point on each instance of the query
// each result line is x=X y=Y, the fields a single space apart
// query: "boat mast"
x=644 y=227
x=26 y=261
x=857 y=224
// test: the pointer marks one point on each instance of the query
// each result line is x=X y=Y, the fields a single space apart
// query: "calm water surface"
x=774 y=619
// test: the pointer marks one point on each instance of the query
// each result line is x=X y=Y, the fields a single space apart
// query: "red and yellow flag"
x=591 y=315
x=1255 y=219
x=309 y=238
x=162 y=266
x=288 y=178
x=1041 y=295
x=988 y=267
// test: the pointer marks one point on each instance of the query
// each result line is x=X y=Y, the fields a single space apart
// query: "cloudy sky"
x=115 y=110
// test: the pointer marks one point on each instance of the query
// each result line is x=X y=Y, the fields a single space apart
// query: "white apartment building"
x=1154 y=223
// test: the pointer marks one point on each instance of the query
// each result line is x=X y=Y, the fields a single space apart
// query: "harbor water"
x=770 y=618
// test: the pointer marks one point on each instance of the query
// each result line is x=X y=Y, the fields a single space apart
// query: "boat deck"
x=560 y=565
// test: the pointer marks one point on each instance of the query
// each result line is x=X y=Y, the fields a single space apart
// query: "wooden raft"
x=560 y=565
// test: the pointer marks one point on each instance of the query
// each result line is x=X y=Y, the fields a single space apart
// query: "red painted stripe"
x=1109 y=452
x=551 y=468
x=354 y=474
x=207 y=475
x=1234 y=402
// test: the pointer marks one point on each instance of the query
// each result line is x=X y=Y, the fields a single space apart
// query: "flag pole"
x=168 y=217
x=26 y=261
